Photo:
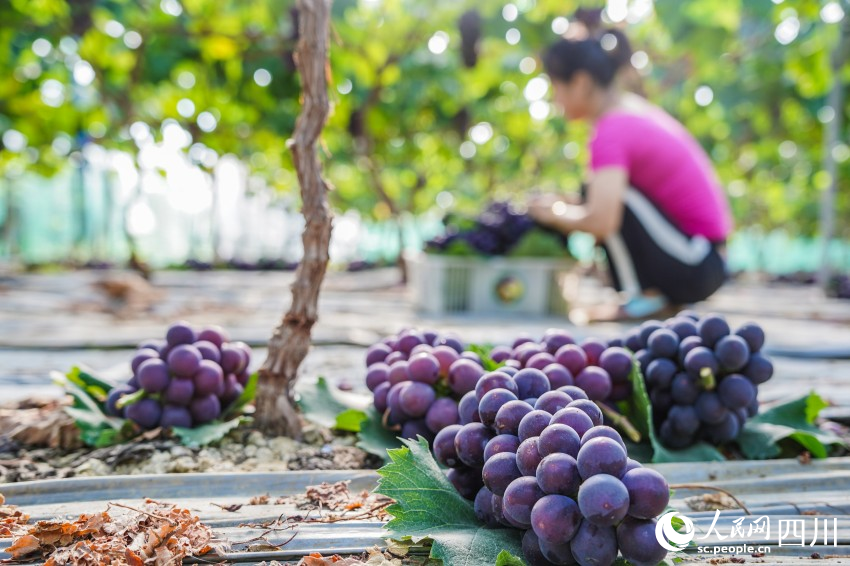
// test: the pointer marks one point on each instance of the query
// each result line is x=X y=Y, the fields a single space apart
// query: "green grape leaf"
x=350 y=420
x=207 y=433
x=766 y=434
x=247 y=396
x=488 y=363
x=505 y=558
x=428 y=506
x=374 y=438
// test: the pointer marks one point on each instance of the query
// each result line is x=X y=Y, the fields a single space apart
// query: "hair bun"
x=616 y=45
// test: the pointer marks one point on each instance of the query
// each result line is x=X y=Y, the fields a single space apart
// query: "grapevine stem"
x=707 y=379
x=712 y=488
x=130 y=399
x=621 y=422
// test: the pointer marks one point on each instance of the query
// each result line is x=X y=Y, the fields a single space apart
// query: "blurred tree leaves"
x=411 y=120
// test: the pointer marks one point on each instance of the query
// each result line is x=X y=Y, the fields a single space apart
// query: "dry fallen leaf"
x=259 y=500
x=711 y=502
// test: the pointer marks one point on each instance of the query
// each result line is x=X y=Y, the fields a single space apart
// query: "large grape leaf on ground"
x=427 y=506
x=786 y=429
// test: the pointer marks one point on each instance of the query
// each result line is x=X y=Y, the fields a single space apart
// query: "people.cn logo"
x=668 y=537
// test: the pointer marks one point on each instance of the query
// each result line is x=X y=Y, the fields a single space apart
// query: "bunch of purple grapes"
x=702 y=378
x=188 y=379
x=539 y=459
x=416 y=379
x=494 y=232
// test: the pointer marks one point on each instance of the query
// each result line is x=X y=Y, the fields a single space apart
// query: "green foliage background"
x=402 y=112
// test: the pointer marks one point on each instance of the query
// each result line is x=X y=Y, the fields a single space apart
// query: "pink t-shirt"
x=668 y=166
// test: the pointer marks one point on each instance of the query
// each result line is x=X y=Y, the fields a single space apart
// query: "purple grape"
x=184 y=360
x=646 y=329
x=377 y=353
x=519 y=500
x=683 y=327
x=759 y=369
x=533 y=423
x=602 y=498
x=617 y=362
x=500 y=353
x=143 y=355
x=593 y=347
x=424 y=368
x=499 y=471
x=685 y=389
x=114 y=396
x=430 y=336
x=495 y=380
x=420 y=349
x=205 y=409
x=663 y=343
x=528 y=456
x=179 y=392
x=557 y=553
x=490 y=404
x=683 y=419
x=732 y=353
x=753 y=334
x=649 y=493
x=726 y=430
x=508 y=370
x=660 y=400
x=390 y=341
x=153 y=376
x=590 y=408
x=573 y=391
x=712 y=328
x=699 y=359
x=595 y=381
x=444 y=446
x=552 y=401
x=378 y=373
x=134 y=383
x=468 y=409
x=686 y=345
x=520 y=340
x=643 y=358
x=467 y=481
x=572 y=357
x=639 y=543
x=464 y=375
x=208 y=350
x=416 y=428
x=524 y=352
x=559 y=439
x=380 y=397
x=499 y=444
x=633 y=341
x=446 y=356
x=395 y=357
x=509 y=416
x=416 y=399
x=511 y=364
x=603 y=431
x=175 y=416
x=146 y=413
x=233 y=358
x=736 y=391
x=688 y=313
x=709 y=408
x=531 y=382
x=450 y=342
x=483 y=507
x=558 y=375
x=601 y=455
x=214 y=334
x=179 y=333
x=152 y=344
x=632 y=465
x=443 y=412
x=555 y=519
x=470 y=442
x=540 y=361
x=471 y=356
x=398 y=373
x=620 y=392
x=209 y=379
x=531 y=550
x=593 y=545
x=555 y=339
x=659 y=373
x=409 y=340
x=397 y=414
x=575 y=418
x=558 y=474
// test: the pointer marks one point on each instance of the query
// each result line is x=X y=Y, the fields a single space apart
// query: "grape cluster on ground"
x=188 y=379
x=702 y=377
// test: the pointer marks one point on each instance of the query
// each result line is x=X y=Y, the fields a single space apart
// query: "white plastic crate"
x=449 y=284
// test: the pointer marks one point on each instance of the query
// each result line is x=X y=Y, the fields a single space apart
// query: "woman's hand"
x=548 y=210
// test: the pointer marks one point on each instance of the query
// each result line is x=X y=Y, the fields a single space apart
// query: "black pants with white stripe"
x=651 y=253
